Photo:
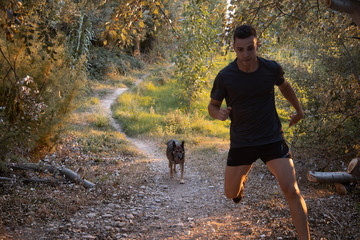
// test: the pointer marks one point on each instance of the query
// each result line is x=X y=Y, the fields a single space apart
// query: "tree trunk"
x=344 y=181
x=137 y=47
x=352 y=174
x=330 y=177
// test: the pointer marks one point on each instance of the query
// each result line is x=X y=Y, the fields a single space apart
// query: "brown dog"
x=175 y=153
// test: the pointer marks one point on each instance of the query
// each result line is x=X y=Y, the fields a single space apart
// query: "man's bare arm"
x=215 y=110
x=288 y=92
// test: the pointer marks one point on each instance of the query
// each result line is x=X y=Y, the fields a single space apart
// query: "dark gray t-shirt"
x=254 y=120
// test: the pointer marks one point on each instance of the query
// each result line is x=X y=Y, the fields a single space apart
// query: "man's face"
x=246 y=50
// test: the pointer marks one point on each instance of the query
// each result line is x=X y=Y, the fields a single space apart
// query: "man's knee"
x=291 y=192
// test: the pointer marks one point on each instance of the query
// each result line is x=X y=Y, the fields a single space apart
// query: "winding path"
x=172 y=209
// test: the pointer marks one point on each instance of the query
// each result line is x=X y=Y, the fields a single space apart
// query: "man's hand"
x=223 y=113
x=217 y=112
x=295 y=118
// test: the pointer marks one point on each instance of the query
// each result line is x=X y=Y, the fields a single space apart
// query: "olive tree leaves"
x=199 y=35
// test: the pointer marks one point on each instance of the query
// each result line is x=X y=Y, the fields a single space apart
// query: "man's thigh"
x=234 y=177
x=284 y=171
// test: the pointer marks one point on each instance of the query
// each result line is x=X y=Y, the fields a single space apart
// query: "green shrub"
x=100 y=121
x=35 y=100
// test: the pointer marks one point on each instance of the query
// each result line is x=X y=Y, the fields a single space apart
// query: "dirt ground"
x=136 y=199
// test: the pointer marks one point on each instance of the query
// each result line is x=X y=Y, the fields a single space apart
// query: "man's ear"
x=258 y=44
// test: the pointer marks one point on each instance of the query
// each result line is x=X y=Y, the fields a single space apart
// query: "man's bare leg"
x=284 y=171
x=234 y=178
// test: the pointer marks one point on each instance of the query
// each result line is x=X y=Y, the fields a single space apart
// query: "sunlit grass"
x=100 y=121
x=154 y=110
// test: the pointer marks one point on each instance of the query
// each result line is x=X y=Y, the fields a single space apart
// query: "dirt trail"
x=165 y=209
x=170 y=207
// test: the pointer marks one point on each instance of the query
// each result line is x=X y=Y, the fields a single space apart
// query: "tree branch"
x=169 y=21
x=69 y=174
x=11 y=67
x=352 y=62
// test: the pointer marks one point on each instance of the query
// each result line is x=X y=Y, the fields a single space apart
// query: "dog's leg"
x=182 y=173
x=171 y=169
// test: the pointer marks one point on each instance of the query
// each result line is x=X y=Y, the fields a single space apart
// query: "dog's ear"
x=182 y=144
x=173 y=145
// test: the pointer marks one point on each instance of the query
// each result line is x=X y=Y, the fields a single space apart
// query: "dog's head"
x=178 y=152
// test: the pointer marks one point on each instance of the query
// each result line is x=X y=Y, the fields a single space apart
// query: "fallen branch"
x=69 y=174
x=75 y=177
x=330 y=177
x=38 y=180
x=5 y=179
x=351 y=175
x=344 y=181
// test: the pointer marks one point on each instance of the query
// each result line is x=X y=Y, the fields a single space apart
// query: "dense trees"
x=45 y=47
x=37 y=85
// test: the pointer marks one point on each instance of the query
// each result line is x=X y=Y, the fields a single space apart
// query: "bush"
x=34 y=100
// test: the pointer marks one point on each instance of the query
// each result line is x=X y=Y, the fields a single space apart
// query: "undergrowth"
x=152 y=109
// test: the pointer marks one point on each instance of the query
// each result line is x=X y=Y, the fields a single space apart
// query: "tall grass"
x=152 y=109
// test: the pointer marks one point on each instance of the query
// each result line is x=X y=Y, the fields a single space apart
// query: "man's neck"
x=248 y=68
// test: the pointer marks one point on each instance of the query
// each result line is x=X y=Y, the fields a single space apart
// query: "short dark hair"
x=244 y=31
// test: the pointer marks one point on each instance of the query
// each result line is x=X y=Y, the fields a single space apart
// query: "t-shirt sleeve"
x=218 y=91
x=280 y=77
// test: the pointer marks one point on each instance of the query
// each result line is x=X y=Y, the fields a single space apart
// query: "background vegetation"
x=56 y=53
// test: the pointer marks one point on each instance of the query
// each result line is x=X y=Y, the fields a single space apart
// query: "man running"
x=247 y=85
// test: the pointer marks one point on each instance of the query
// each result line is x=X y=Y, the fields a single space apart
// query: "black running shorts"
x=267 y=152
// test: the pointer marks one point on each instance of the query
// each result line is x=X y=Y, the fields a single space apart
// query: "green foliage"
x=153 y=109
x=94 y=101
x=198 y=40
x=32 y=22
x=130 y=22
x=20 y=114
x=135 y=114
x=100 y=121
x=34 y=106
x=78 y=40
x=38 y=82
x=333 y=117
